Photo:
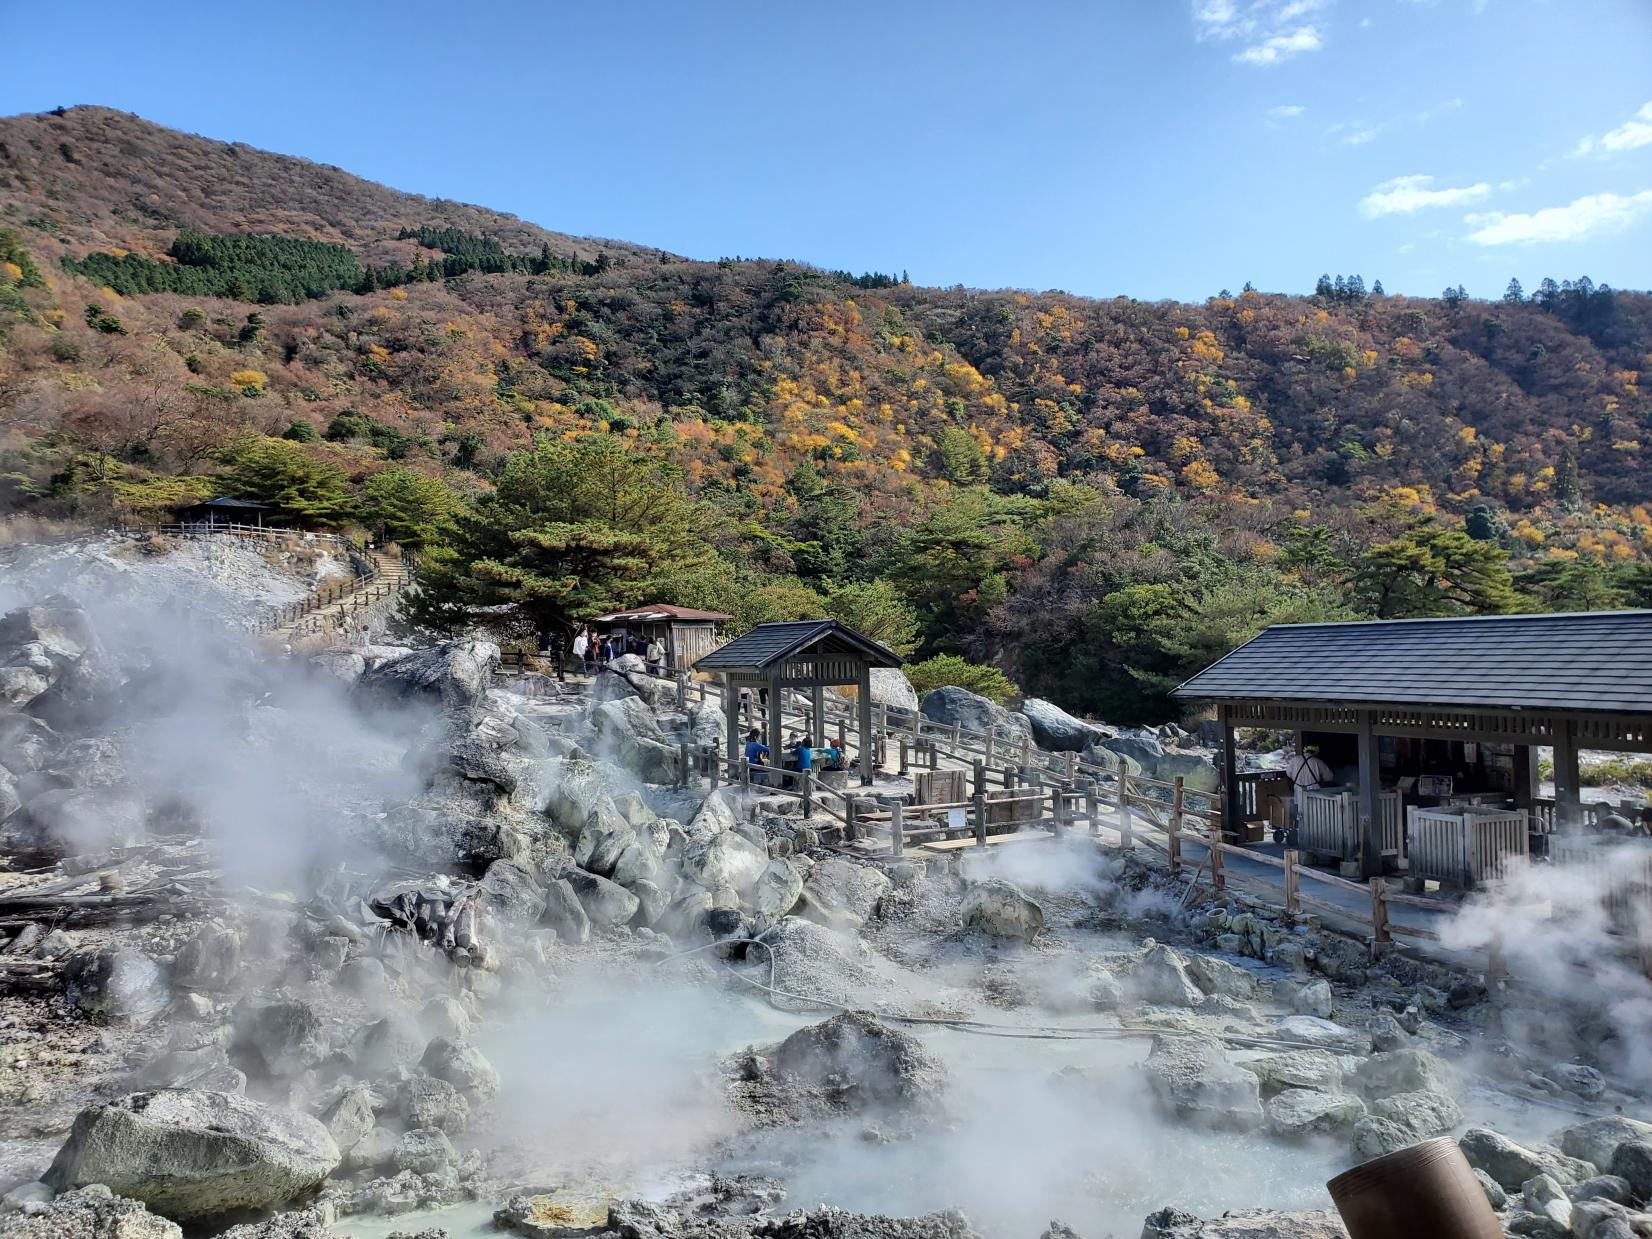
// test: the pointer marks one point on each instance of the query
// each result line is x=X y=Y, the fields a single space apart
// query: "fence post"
x=903 y=770
x=1126 y=813
x=934 y=754
x=1055 y=810
x=1293 y=906
x=1174 y=836
x=716 y=764
x=1026 y=753
x=978 y=777
x=1216 y=857
x=1380 y=937
x=851 y=810
x=681 y=677
x=1072 y=769
x=745 y=776
x=682 y=763
x=1092 y=808
x=979 y=809
x=897 y=831
x=808 y=793
x=957 y=735
x=1496 y=965
x=991 y=738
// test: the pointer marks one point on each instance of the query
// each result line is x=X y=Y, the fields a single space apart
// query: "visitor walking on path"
x=757 y=755
x=655 y=655
x=582 y=647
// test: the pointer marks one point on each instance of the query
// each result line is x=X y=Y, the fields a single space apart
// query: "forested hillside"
x=1034 y=480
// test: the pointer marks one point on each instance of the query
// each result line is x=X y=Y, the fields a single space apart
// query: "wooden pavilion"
x=222 y=511
x=808 y=655
x=687 y=634
x=1439 y=721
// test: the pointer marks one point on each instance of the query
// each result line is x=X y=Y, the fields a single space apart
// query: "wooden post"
x=1370 y=797
x=682 y=764
x=731 y=720
x=716 y=769
x=1568 y=812
x=808 y=793
x=978 y=777
x=1126 y=813
x=1026 y=753
x=897 y=832
x=681 y=677
x=934 y=754
x=1216 y=876
x=1293 y=906
x=1175 y=836
x=903 y=766
x=1231 y=808
x=745 y=776
x=851 y=810
x=979 y=809
x=1072 y=769
x=991 y=757
x=1380 y=937
x=1092 y=808
x=957 y=735
x=1056 y=810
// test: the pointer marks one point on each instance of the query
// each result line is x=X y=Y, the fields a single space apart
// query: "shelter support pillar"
x=1568 y=810
x=1370 y=797
x=863 y=717
x=818 y=707
x=776 y=711
x=731 y=717
x=1525 y=776
x=1231 y=808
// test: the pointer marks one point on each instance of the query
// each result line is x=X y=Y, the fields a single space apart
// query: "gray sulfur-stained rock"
x=605 y=902
x=1192 y=1078
x=1596 y=1140
x=195 y=1155
x=423 y=1151
x=840 y=894
x=463 y=1066
x=428 y=1102
x=1324 y=1035
x=999 y=908
x=350 y=1117
x=1244 y=1224
x=121 y=984
x=1401 y=1071
x=1632 y=1162
x=652 y=902
x=1512 y=1164
x=279 y=1038
x=1160 y=977
x=1217 y=976
x=1393 y=1123
x=565 y=914
x=725 y=859
x=852 y=1062
x=1297 y=1069
x=455 y=676
x=1302 y=1112
x=91 y=1213
x=951 y=704
x=777 y=892
x=1056 y=730
x=512 y=893
x=209 y=960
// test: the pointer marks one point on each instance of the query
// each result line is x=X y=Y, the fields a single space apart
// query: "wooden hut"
x=1433 y=727
x=222 y=511
x=688 y=634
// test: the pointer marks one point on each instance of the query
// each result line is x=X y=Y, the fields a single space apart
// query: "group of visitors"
x=798 y=754
x=592 y=650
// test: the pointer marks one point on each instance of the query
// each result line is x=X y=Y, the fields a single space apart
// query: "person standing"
x=757 y=756
x=1307 y=773
x=654 y=655
x=582 y=647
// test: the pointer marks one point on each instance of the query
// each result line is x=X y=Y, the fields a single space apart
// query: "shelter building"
x=1433 y=728
x=809 y=656
x=687 y=634
x=222 y=511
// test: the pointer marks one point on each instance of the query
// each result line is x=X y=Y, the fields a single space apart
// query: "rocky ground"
x=264 y=964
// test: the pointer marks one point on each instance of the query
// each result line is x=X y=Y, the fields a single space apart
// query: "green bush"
x=945 y=669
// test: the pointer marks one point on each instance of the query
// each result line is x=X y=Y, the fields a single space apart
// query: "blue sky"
x=1155 y=148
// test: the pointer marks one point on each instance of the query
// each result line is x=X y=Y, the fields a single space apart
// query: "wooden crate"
x=1466 y=847
x=1330 y=823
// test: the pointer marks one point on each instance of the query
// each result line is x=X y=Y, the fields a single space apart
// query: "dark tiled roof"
x=767 y=644
x=223 y=501
x=663 y=611
x=1594 y=660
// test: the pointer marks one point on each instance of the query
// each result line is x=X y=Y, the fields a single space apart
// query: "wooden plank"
x=1330 y=879
x=953 y=845
x=1412 y=931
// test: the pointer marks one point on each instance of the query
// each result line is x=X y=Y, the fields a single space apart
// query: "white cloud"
x=1587 y=216
x=1287 y=111
x=1273 y=30
x=1634 y=133
x=1405 y=195
x=1281 y=47
x=1361 y=136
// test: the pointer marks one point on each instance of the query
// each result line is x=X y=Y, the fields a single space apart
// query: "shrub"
x=945 y=669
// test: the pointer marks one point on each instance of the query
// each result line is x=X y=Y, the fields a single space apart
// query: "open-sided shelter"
x=687 y=634
x=222 y=511
x=806 y=655
x=1456 y=707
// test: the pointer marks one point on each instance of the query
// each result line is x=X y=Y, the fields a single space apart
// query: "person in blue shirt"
x=805 y=754
x=757 y=754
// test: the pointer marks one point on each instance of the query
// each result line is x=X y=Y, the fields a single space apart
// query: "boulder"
x=91 y=1213
x=1056 y=730
x=1297 y=1069
x=1001 y=910
x=68 y=821
x=1192 y=1078
x=1496 y=1197
x=891 y=688
x=1394 y=1123
x=1324 y=1035
x=463 y=1066
x=951 y=704
x=121 y=985
x=605 y=853
x=1632 y=1162
x=195 y=1155
x=1244 y=1224
x=1512 y=1164
x=1314 y=998
x=1157 y=762
x=606 y=903
x=686 y=914
x=26 y=744
x=1159 y=976
x=208 y=961
x=627 y=676
x=564 y=913
x=350 y=1117
x=1596 y=1140
x=1543 y=1196
x=715 y=815
x=279 y=1038
x=858 y=1064
x=455 y=676
x=840 y=894
x=724 y=859
x=1402 y=1071
x=57 y=625
x=428 y=1102
x=1302 y=1112
x=640 y=861
x=512 y=893
x=1602 y=1187
x=387 y=1047
x=1217 y=976
x=1577 y=1078
x=423 y=1151
x=652 y=902
x=778 y=889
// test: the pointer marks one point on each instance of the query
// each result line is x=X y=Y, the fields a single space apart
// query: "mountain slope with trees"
x=1049 y=483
